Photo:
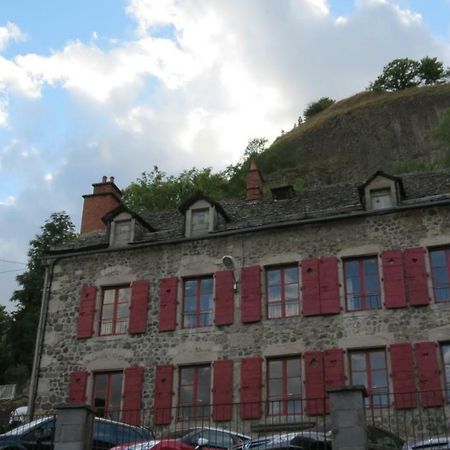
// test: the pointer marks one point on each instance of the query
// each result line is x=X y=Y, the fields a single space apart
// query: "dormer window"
x=199 y=221
x=381 y=198
x=122 y=233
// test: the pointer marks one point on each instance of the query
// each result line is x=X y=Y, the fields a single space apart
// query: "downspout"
x=40 y=336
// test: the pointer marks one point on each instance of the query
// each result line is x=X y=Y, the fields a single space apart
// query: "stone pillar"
x=348 y=418
x=74 y=427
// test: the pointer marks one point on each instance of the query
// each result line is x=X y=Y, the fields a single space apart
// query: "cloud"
x=10 y=32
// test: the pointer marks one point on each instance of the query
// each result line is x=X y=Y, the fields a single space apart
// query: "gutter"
x=40 y=336
x=58 y=254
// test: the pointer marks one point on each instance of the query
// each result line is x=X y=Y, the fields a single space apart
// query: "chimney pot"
x=104 y=178
x=254 y=182
x=111 y=179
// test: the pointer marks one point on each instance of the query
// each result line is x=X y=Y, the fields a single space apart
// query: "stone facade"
x=422 y=223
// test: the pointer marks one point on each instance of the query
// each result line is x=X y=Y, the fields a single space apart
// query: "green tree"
x=397 y=75
x=318 y=106
x=21 y=336
x=5 y=356
x=432 y=71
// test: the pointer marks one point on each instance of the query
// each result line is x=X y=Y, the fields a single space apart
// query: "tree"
x=398 y=74
x=318 y=106
x=21 y=336
x=432 y=71
x=5 y=324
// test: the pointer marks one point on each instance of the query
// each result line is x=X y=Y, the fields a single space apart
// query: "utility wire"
x=12 y=262
x=14 y=270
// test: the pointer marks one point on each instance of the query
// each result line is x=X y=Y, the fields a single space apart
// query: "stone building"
x=265 y=301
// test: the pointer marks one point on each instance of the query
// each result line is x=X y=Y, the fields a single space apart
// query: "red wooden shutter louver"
x=132 y=395
x=329 y=286
x=86 y=313
x=251 y=294
x=77 y=387
x=429 y=374
x=223 y=390
x=416 y=276
x=224 y=307
x=314 y=383
x=394 y=279
x=139 y=307
x=402 y=364
x=162 y=402
x=168 y=304
x=310 y=287
x=251 y=384
x=333 y=360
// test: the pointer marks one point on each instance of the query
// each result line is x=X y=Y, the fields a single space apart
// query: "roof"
x=320 y=202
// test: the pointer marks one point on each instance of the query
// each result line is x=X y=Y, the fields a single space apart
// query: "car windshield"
x=26 y=427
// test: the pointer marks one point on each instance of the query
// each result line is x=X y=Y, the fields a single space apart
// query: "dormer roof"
x=199 y=195
x=107 y=218
x=380 y=173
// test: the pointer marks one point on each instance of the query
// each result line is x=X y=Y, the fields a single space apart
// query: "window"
x=381 y=198
x=284 y=386
x=107 y=394
x=440 y=270
x=122 y=232
x=362 y=285
x=283 y=299
x=114 y=311
x=446 y=363
x=194 y=392
x=369 y=368
x=199 y=221
x=198 y=302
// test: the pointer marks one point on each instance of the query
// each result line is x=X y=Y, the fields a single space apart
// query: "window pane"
x=358 y=361
x=122 y=310
x=124 y=295
x=275 y=389
x=189 y=321
x=370 y=266
x=190 y=304
x=438 y=258
x=186 y=394
x=206 y=302
x=446 y=353
x=292 y=308
x=274 y=294
x=108 y=296
x=275 y=369
x=351 y=268
x=187 y=375
x=273 y=277
x=379 y=379
x=291 y=275
x=291 y=292
x=293 y=387
x=359 y=378
x=107 y=312
x=207 y=286
x=293 y=367
x=274 y=311
x=190 y=288
x=377 y=360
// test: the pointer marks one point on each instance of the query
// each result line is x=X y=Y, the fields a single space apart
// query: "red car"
x=207 y=438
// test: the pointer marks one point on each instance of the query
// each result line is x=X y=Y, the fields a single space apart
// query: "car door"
x=40 y=437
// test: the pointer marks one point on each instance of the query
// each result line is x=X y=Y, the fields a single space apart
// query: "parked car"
x=433 y=443
x=205 y=437
x=38 y=435
x=18 y=416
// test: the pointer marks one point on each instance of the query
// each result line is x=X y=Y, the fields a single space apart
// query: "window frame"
x=198 y=311
x=377 y=193
x=445 y=369
x=284 y=401
x=195 y=407
x=202 y=232
x=114 y=320
x=114 y=414
x=362 y=280
x=282 y=303
x=369 y=401
x=436 y=289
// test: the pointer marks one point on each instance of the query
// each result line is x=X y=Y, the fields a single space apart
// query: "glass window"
x=369 y=368
x=283 y=298
x=114 y=311
x=440 y=269
x=445 y=349
x=194 y=392
x=107 y=395
x=199 y=221
x=362 y=284
x=198 y=304
x=381 y=198
x=284 y=386
x=122 y=232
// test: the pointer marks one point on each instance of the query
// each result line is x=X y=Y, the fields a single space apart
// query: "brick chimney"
x=255 y=182
x=105 y=197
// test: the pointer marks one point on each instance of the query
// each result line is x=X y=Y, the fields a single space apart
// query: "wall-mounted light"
x=228 y=263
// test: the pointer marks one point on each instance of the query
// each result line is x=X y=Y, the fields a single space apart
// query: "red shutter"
x=429 y=374
x=223 y=390
x=224 y=308
x=329 y=286
x=314 y=383
x=416 y=276
x=86 y=312
x=168 y=304
x=138 y=307
x=132 y=395
x=77 y=387
x=251 y=374
x=310 y=287
x=251 y=294
x=394 y=279
x=402 y=364
x=333 y=361
x=162 y=403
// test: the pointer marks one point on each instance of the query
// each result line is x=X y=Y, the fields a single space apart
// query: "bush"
x=317 y=107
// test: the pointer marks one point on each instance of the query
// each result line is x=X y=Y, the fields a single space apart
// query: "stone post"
x=348 y=418
x=74 y=427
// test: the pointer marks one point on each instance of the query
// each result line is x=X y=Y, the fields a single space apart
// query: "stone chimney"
x=254 y=182
x=105 y=197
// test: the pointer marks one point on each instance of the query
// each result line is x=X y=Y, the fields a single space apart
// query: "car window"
x=216 y=438
x=105 y=432
x=41 y=432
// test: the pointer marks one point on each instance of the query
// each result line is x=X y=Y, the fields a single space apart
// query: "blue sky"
x=106 y=87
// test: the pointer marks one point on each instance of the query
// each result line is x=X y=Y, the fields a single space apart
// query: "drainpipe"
x=40 y=336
